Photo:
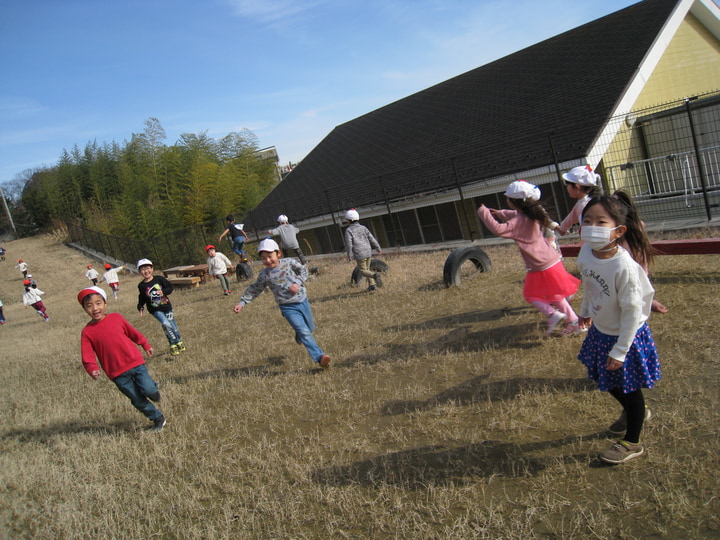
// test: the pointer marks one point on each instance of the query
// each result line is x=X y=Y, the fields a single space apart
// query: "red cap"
x=209 y=247
x=90 y=290
x=108 y=266
x=27 y=282
x=89 y=265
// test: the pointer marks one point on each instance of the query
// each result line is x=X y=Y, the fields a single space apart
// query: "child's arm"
x=89 y=361
x=253 y=290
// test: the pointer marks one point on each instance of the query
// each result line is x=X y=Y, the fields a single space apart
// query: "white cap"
x=268 y=245
x=282 y=218
x=143 y=262
x=352 y=215
x=520 y=189
x=582 y=176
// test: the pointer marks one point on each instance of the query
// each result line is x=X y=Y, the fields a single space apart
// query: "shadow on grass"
x=45 y=434
x=418 y=467
x=476 y=390
x=248 y=371
x=676 y=279
x=518 y=336
x=452 y=321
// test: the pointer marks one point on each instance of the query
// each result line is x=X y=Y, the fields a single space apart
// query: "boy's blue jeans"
x=300 y=317
x=137 y=384
x=237 y=245
x=170 y=327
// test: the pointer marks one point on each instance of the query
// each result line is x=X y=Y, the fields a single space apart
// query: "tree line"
x=144 y=187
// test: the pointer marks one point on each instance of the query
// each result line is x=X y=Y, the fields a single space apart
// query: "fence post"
x=698 y=159
x=462 y=198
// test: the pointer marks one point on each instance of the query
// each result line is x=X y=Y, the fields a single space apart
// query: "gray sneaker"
x=619 y=427
x=622 y=451
x=378 y=279
x=158 y=424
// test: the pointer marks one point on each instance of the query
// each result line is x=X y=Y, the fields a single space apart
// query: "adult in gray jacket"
x=359 y=243
x=288 y=237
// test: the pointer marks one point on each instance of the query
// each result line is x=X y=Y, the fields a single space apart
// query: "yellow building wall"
x=690 y=66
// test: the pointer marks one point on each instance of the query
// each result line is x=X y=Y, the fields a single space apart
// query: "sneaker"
x=324 y=361
x=297 y=339
x=572 y=329
x=378 y=279
x=174 y=350
x=553 y=320
x=622 y=451
x=371 y=288
x=619 y=427
x=158 y=424
x=181 y=346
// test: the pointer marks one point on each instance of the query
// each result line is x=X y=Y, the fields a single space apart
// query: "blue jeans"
x=170 y=327
x=237 y=245
x=137 y=384
x=300 y=318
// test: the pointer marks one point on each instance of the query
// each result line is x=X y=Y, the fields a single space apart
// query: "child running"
x=153 y=293
x=92 y=274
x=31 y=297
x=111 y=278
x=112 y=339
x=619 y=351
x=218 y=266
x=23 y=267
x=547 y=283
x=581 y=184
x=286 y=279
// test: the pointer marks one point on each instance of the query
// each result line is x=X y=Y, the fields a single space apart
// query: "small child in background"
x=619 y=351
x=153 y=293
x=547 y=283
x=3 y=251
x=581 y=184
x=23 y=267
x=31 y=297
x=286 y=279
x=218 y=267
x=92 y=274
x=113 y=340
x=111 y=278
x=359 y=243
x=288 y=237
x=238 y=236
x=2 y=317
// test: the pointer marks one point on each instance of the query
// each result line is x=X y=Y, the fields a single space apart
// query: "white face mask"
x=596 y=237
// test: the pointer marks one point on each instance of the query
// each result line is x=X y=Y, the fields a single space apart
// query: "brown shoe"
x=622 y=451
x=324 y=361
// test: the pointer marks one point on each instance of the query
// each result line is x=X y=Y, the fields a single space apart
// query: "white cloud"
x=272 y=11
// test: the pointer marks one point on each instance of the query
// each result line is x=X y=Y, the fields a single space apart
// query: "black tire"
x=243 y=272
x=453 y=269
x=376 y=265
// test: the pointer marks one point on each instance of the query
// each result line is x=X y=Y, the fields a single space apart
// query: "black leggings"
x=634 y=406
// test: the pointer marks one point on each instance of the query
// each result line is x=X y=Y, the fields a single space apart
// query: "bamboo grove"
x=144 y=187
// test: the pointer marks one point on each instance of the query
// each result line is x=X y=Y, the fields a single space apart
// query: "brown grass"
x=446 y=414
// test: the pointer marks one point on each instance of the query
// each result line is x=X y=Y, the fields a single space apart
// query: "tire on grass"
x=456 y=265
x=376 y=265
x=243 y=272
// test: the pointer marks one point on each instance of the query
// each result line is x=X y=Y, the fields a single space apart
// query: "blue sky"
x=77 y=71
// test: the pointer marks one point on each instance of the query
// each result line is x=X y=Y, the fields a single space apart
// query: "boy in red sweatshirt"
x=110 y=338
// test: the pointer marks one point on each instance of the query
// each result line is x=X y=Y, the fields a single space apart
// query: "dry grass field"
x=446 y=414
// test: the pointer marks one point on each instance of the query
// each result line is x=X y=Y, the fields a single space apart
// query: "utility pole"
x=7 y=211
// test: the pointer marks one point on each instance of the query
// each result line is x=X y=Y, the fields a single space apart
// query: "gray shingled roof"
x=488 y=122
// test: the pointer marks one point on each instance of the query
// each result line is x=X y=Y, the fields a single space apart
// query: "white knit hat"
x=582 y=176
x=520 y=189
x=143 y=262
x=268 y=245
x=282 y=218
x=352 y=215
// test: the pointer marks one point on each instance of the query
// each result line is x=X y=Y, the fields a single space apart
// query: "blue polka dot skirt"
x=640 y=370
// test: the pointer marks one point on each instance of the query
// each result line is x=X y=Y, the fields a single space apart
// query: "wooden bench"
x=690 y=246
x=193 y=281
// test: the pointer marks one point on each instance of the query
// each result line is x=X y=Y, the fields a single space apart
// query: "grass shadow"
x=45 y=434
x=419 y=467
x=477 y=390
x=460 y=339
x=469 y=317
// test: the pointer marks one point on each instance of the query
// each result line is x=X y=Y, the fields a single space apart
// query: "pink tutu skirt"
x=550 y=285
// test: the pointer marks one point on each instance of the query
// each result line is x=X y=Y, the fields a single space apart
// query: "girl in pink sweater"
x=547 y=284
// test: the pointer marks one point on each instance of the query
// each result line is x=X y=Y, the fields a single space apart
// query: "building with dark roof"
x=599 y=94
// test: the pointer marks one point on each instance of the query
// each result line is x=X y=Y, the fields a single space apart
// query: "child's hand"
x=237 y=308
x=150 y=351
x=613 y=364
x=294 y=288
x=95 y=374
x=585 y=322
